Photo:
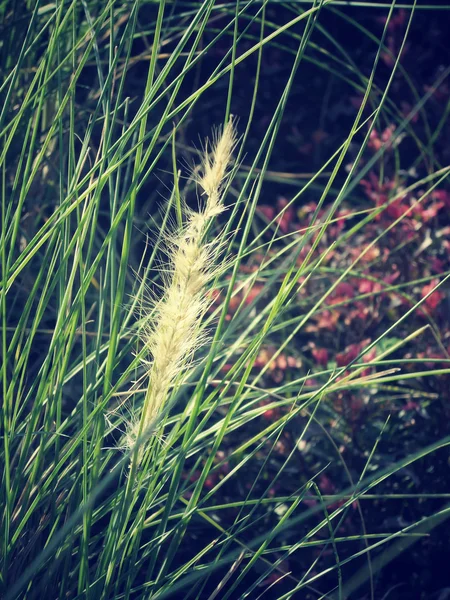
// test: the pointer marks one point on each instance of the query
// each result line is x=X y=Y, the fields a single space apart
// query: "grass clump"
x=286 y=444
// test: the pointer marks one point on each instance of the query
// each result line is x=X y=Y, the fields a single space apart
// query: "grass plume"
x=174 y=332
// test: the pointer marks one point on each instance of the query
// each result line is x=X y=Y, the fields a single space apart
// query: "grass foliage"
x=98 y=169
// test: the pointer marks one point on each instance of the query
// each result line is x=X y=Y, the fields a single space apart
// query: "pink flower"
x=366 y=286
x=267 y=211
x=320 y=355
x=350 y=353
x=426 y=214
x=287 y=217
x=436 y=264
x=435 y=298
x=327 y=319
x=441 y=196
x=344 y=289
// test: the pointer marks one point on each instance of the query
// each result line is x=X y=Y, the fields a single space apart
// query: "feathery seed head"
x=216 y=163
x=174 y=332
